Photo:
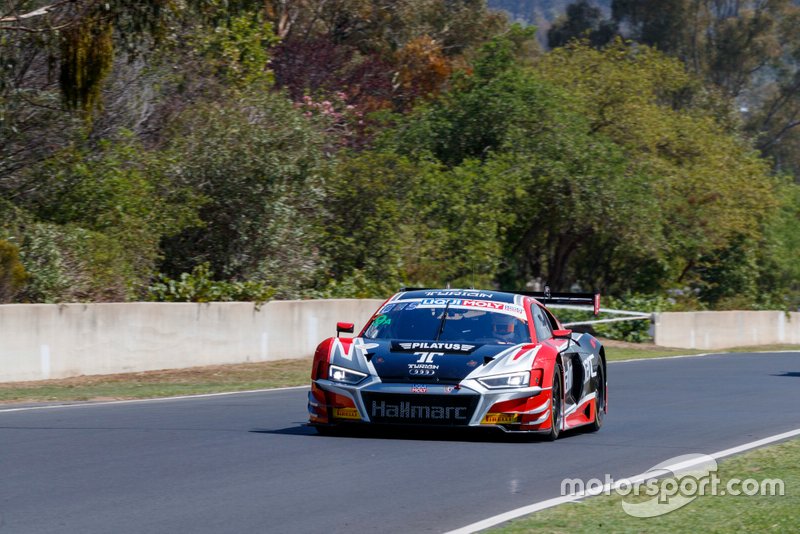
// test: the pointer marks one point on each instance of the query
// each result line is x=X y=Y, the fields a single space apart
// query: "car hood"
x=415 y=361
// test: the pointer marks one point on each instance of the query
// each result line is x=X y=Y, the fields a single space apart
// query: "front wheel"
x=557 y=407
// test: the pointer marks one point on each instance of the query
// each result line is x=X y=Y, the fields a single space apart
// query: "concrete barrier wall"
x=41 y=341
x=726 y=329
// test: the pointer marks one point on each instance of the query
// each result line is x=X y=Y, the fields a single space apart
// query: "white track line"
x=157 y=399
x=549 y=503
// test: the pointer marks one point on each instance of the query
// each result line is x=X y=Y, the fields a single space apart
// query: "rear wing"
x=575 y=299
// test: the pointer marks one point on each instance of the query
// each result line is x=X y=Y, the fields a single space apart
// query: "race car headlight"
x=348 y=376
x=512 y=380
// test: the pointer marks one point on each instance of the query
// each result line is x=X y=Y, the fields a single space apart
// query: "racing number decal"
x=589 y=368
x=427 y=357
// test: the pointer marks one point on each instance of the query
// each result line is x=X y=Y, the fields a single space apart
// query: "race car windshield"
x=413 y=322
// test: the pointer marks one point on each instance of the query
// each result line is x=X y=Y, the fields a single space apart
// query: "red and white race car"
x=463 y=358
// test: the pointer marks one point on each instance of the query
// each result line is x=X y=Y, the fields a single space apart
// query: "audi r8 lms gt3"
x=462 y=358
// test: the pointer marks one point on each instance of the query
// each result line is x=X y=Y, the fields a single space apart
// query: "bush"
x=68 y=263
x=258 y=163
x=12 y=274
x=199 y=286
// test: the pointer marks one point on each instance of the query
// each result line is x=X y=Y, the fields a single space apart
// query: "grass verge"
x=621 y=350
x=169 y=383
x=728 y=513
x=219 y=378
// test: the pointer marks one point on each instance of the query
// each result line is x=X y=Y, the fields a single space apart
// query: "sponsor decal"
x=424 y=365
x=489 y=305
x=414 y=346
x=568 y=375
x=381 y=320
x=419 y=388
x=359 y=345
x=427 y=357
x=472 y=363
x=380 y=360
x=500 y=419
x=588 y=368
x=387 y=308
x=411 y=306
x=408 y=410
x=346 y=413
x=449 y=389
x=594 y=343
x=440 y=302
x=514 y=309
x=469 y=294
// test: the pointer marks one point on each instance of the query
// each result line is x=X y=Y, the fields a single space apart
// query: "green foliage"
x=778 y=282
x=118 y=191
x=352 y=284
x=556 y=187
x=200 y=286
x=394 y=220
x=709 y=188
x=72 y=264
x=619 y=168
x=259 y=163
x=236 y=49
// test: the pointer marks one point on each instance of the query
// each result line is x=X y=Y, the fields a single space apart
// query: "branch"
x=777 y=137
x=35 y=13
x=37 y=30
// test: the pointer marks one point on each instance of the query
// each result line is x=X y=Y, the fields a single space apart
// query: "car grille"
x=443 y=410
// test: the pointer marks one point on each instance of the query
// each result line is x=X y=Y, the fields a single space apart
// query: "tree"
x=746 y=48
x=410 y=225
x=582 y=21
x=710 y=186
x=560 y=186
x=662 y=24
x=90 y=222
x=381 y=53
x=79 y=35
x=259 y=163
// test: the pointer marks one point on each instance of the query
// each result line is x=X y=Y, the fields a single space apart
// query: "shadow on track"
x=793 y=374
x=485 y=435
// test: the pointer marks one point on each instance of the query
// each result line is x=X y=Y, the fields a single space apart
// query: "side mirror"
x=562 y=334
x=347 y=328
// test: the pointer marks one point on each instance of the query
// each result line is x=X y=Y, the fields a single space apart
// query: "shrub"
x=199 y=286
x=12 y=274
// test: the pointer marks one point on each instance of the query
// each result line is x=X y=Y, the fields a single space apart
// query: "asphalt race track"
x=247 y=463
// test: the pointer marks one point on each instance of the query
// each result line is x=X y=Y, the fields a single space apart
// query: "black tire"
x=600 y=401
x=557 y=401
